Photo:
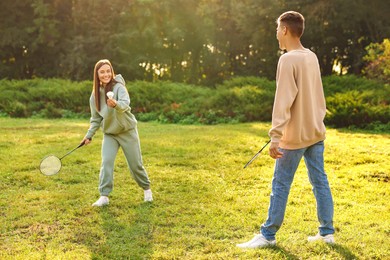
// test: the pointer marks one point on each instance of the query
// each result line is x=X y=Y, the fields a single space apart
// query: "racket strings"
x=50 y=165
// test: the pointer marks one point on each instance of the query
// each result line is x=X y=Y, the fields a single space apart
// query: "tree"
x=89 y=37
x=338 y=30
x=194 y=41
x=16 y=17
x=378 y=61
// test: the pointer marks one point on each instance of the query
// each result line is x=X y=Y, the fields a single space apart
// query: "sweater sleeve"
x=286 y=91
x=123 y=101
x=95 y=120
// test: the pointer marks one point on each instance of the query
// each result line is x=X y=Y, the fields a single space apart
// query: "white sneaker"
x=148 y=195
x=103 y=200
x=257 y=242
x=329 y=239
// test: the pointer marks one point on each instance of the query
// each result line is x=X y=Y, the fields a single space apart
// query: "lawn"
x=205 y=202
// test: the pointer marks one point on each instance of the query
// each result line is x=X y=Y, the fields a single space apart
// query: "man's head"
x=293 y=21
x=290 y=24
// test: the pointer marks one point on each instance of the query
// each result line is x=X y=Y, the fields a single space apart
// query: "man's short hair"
x=294 y=21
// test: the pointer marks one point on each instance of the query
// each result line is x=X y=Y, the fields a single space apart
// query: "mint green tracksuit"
x=119 y=128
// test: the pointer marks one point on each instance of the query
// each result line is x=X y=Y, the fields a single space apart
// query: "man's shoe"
x=148 y=196
x=329 y=239
x=257 y=242
x=103 y=200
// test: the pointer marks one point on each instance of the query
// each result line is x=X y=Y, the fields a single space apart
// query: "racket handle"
x=83 y=142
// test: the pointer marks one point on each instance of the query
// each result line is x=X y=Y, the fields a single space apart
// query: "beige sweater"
x=299 y=105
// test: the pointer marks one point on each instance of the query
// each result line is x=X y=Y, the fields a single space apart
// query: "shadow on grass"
x=343 y=251
x=283 y=252
x=127 y=239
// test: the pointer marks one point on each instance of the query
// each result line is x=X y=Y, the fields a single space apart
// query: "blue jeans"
x=285 y=169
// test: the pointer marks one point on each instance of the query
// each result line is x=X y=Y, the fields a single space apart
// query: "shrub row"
x=248 y=100
x=354 y=101
x=48 y=98
x=351 y=101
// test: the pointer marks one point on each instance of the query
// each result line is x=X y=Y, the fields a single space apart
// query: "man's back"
x=299 y=107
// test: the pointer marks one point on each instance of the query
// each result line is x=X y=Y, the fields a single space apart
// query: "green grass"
x=205 y=202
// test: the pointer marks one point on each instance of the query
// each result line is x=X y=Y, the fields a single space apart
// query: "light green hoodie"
x=112 y=120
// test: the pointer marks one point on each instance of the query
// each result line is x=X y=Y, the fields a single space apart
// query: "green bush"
x=47 y=98
x=16 y=109
x=238 y=100
x=351 y=101
x=354 y=101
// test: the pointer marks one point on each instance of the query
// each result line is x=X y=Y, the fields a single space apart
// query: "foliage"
x=378 y=61
x=351 y=101
x=178 y=103
x=340 y=30
x=48 y=98
x=197 y=42
x=205 y=203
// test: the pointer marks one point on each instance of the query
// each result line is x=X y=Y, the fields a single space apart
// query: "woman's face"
x=105 y=74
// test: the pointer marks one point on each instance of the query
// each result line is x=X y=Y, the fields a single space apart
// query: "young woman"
x=119 y=128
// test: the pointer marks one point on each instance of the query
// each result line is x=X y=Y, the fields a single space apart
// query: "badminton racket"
x=51 y=164
x=257 y=154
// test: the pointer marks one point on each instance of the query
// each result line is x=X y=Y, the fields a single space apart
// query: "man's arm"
x=286 y=91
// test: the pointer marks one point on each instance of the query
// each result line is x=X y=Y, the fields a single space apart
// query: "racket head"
x=50 y=165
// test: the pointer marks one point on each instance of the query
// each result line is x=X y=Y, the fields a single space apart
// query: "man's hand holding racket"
x=274 y=151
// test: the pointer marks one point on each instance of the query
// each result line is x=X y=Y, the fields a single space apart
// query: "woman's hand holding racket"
x=86 y=141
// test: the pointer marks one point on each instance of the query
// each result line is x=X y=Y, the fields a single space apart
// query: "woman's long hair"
x=97 y=83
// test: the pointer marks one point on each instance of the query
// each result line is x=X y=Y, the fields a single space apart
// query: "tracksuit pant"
x=130 y=144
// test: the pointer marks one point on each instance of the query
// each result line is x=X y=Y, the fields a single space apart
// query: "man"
x=297 y=131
